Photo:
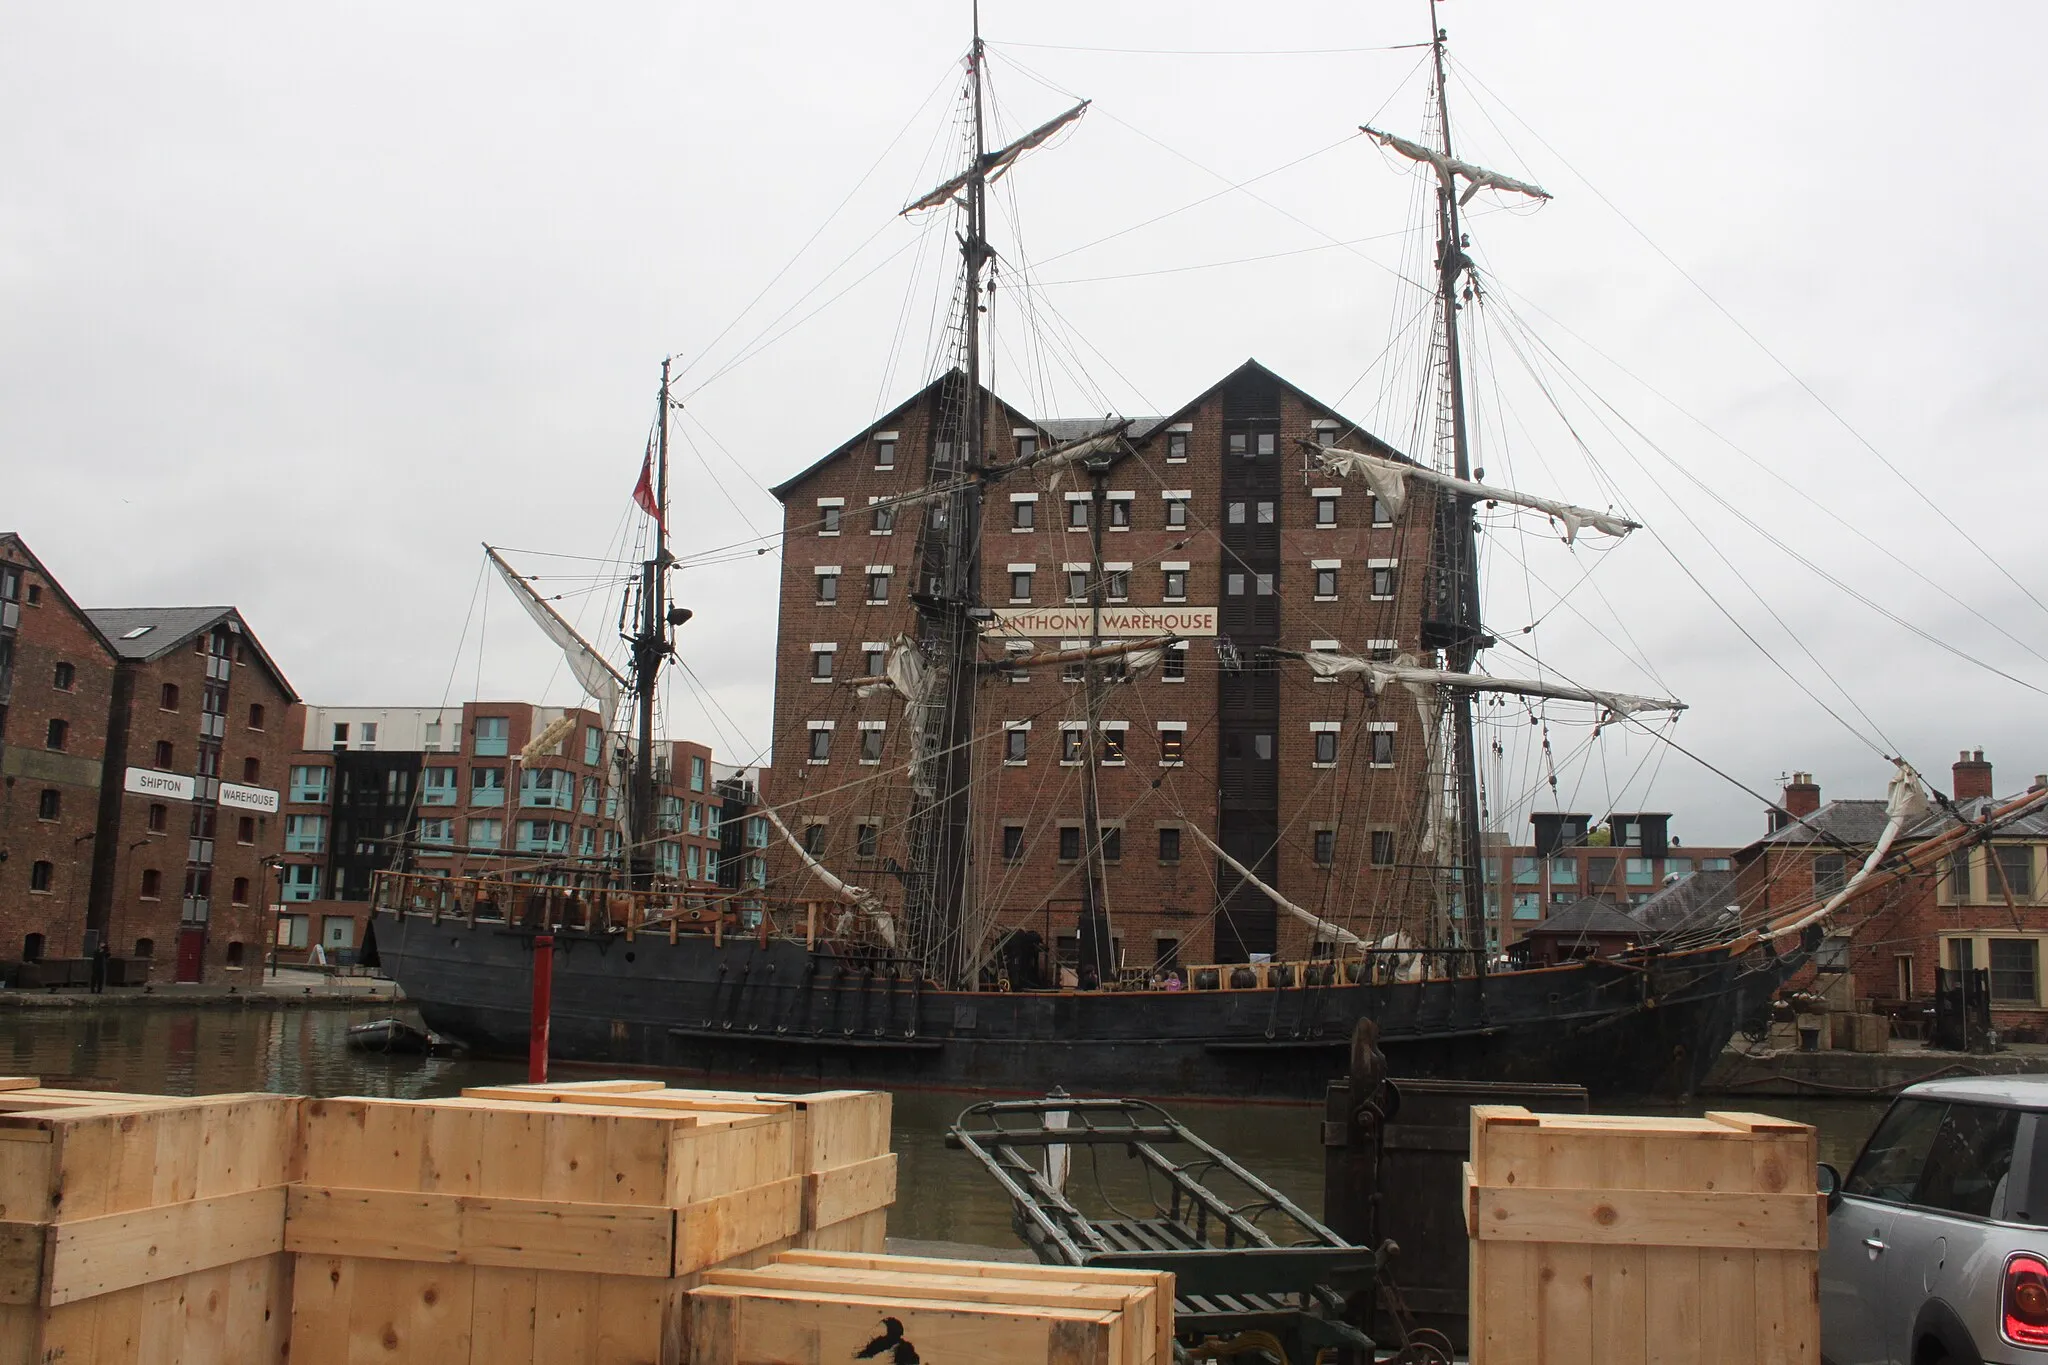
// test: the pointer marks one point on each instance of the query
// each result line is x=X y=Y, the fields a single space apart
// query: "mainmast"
x=1095 y=942
x=1452 y=620
x=650 y=648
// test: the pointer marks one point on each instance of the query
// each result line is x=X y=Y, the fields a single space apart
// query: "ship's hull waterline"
x=790 y=1016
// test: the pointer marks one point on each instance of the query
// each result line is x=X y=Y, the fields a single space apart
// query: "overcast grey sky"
x=301 y=304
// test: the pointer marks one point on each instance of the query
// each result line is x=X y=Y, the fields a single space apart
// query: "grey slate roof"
x=167 y=627
x=1588 y=917
x=1691 y=902
x=1852 y=822
x=1073 y=428
x=2033 y=825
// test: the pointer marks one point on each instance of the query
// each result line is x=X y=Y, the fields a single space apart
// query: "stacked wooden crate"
x=813 y=1307
x=141 y=1227
x=525 y=1229
x=842 y=1141
x=1627 y=1239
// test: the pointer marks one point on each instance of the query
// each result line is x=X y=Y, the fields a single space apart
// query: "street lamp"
x=275 y=864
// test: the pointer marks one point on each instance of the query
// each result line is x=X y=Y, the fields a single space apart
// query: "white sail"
x=1904 y=803
x=1388 y=480
x=1403 y=669
x=1056 y=460
x=903 y=672
x=859 y=897
x=1477 y=178
x=995 y=163
x=1308 y=917
x=586 y=665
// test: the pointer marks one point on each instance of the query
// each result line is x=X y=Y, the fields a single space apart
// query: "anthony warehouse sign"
x=1118 y=623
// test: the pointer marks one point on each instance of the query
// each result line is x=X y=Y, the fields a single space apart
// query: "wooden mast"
x=650 y=647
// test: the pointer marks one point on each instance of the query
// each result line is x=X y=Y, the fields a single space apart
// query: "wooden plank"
x=732 y=1326
x=1787 y=1281
x=711 y=1231
x=116 y=1251
x=322 y=1292
x=501 y=1316
x=843 y=1192
x=1134 y=1305
x=453 y=1229
x=19 y=1083
x=1564 y=1293
x=565 y=1318
x=1620 y=1288
x=1672 y=1218
x=864 y=1232
x=653 y=1097
x=1159 y=1281
x=21 y=1262
x=260 y=1310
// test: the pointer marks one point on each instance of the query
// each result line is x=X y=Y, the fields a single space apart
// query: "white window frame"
x=890 y=439
x=1325 y=647
x=1322 y=727
x=1179 y=727
x=1016 y=498
x=817 y=649
x=1181 y=567
x=1109 y=573
x=809 y=728
x=1321 y=566
x=885 y=571
x=1066 y=570
x=866 y=726
x=824 y=571
x=1378 y=727
x=875 y=530
x=1015 y=569
x=868 y=647
x=1068 y=727
x=1019 y=725
x=1394 y=566
x=1321 y=496
x=1182 y=646
x=824 y=503
x=1184 y=430
x=1129 y=499
x=1123 y=730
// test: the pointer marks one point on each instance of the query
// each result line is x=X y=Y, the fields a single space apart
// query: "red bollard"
x=543 y=1007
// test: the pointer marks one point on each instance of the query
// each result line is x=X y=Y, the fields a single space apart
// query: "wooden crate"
x=525 y=1230
x=842 y=1141
x=139 y=1226
x=812 y=1307
x=1625 y=1239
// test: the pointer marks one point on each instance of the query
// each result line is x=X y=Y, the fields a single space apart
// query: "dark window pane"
x=2014 y=965
x=1972 y=1151
x=1889 y=1169
x=1829 y=875
x=1169 y=845
x=1070 y=843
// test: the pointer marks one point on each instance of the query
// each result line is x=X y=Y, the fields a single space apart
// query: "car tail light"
x=2026 y=1300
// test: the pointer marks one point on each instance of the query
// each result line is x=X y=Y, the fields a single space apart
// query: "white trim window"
x=1324 y=647
x=1019 y=650
x=829 y=512
x=884 y=518
x=1072 y=735
x=874 y=658
x=1073 y=670
x=1027 y=441
x=1173 y=743
x=1116 y=582
x=885 y=449
x=1173 y=580
x=1176 y=502
x=821 y=741
x=873 y=735
x=821 y=662
x=1177 y=437
x=1323 y=734
x=1111 y=735
x=1382 y=651
x=1382 y=734
x=1023 y=513
x=1021 y=577
x=1174 y=667
x=1385 y=575
x=1325 y=571
x=1326 y=505
x=826 y=577
x=1077 y=510
x=1016 y=743
x=878 y=584
x=1077 y=581
x=1119 y=510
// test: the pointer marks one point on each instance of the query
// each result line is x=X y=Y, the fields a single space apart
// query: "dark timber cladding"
x=1248 y=695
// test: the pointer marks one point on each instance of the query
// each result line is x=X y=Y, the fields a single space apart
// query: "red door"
x=191 y=953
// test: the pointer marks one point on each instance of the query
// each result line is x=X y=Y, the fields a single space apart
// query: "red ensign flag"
x=643 y=491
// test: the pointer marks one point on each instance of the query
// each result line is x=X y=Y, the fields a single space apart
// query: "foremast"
x=948 y=601
x=651 y=647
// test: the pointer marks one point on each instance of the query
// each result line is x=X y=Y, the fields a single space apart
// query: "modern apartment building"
x=464 y=791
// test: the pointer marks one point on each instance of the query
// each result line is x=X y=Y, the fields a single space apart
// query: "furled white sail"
x=1388 y=480
x=860 y=898
x=554 y=733
x=1477 y=178
x=995 y=163
x=1056 y=460
x=586 y=665
x=1403 y=669
x=1904 y=803
x=1308 y=917
x=903 y=672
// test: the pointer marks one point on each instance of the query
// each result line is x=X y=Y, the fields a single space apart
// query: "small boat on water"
x=391 y=1036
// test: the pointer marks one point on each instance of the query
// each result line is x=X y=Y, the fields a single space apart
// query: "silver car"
x=1937 y=1245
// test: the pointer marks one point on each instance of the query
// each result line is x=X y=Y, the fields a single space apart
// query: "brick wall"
x=51 y=632
x=1149 y=898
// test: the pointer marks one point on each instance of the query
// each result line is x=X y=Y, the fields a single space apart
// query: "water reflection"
x=943 y=1195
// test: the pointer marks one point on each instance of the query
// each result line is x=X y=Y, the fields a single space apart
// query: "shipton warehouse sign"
x=262 y=800
x=1125 y=623
x=150 y=782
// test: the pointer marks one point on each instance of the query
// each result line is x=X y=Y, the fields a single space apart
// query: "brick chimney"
x=1802 y=795
x=1972 y=775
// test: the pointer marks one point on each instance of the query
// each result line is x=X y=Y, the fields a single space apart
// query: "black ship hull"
x=790 y=1017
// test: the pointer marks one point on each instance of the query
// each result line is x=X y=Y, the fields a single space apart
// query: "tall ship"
x=1124 y=754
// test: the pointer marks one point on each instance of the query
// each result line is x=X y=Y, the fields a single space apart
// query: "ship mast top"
x=650 y=648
